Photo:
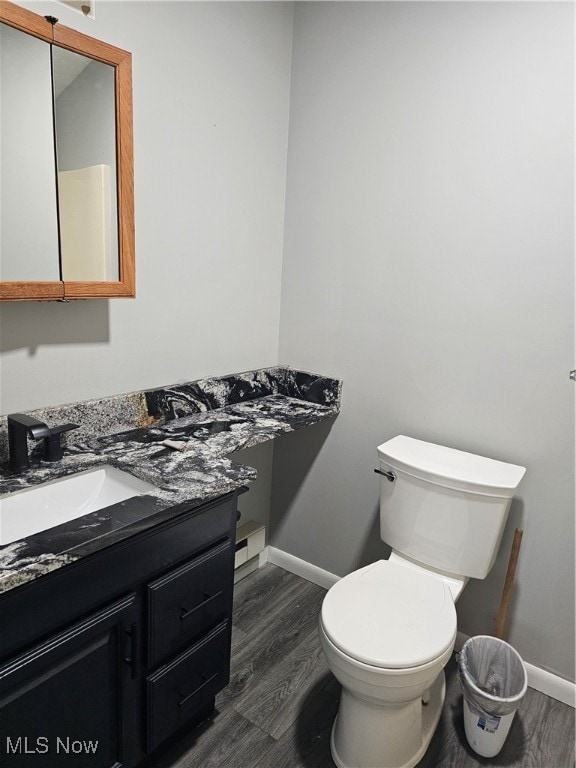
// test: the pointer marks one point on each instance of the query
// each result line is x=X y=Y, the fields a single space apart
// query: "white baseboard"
x=302 y=568
x=539 y=679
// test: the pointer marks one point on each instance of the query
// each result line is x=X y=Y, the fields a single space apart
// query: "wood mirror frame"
x=56 y=34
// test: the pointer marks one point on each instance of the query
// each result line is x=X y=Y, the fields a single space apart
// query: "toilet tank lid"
x=449 y=467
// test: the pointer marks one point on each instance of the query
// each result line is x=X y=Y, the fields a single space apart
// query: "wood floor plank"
x=226 y=740
x=278 y=696
x=306 y=744
x=545 y=734
x=268 y=643
x=238 y=639
x=259 y=595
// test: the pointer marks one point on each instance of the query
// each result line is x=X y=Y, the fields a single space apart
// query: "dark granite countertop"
x=191 y=477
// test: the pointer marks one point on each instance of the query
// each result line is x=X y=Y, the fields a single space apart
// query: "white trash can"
x=494 y=681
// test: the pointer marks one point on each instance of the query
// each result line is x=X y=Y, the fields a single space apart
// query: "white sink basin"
x=41 y=507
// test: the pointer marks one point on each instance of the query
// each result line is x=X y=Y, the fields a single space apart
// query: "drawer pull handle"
x=185 y=697
x=186 y=612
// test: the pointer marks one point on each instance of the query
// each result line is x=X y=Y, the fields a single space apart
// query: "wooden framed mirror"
x=67 y=213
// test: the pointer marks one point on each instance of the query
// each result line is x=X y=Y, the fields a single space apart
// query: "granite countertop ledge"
x=214 y=417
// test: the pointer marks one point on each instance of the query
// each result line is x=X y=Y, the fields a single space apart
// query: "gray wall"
x=211 y=96
x=429 y=262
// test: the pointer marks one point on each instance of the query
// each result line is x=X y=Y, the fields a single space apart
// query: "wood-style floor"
x=278 y=709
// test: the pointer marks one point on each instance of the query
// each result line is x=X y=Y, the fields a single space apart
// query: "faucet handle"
x=52 y=444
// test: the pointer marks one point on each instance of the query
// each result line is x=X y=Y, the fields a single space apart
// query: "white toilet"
x=389 y=629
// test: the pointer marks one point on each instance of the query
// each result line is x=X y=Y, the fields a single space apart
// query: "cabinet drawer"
x=179 y=689
x=187 y=602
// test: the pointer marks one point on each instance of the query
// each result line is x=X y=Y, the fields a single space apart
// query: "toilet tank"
x=445 y=509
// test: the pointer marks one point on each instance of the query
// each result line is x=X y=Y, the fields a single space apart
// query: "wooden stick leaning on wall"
x=507 y=591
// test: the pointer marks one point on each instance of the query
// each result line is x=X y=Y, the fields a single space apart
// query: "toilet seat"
x=389 y=616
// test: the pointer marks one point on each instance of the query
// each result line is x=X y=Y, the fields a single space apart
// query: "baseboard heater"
x=250 y=541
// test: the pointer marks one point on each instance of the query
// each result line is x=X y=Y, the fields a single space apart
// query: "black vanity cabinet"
x=104 y=659
x=73 y=694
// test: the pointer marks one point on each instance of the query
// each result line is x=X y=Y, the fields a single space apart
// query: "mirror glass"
x=28 y=221
x=58 y=208
x=85 y=129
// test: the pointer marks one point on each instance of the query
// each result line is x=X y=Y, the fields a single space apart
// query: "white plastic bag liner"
x=494 y=681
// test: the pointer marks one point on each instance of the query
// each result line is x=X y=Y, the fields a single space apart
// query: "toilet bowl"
x=387 y=631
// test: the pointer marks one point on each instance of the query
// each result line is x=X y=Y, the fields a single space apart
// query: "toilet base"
x=368 y=736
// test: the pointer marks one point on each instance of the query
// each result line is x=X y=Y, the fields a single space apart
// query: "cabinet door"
x=72 y=699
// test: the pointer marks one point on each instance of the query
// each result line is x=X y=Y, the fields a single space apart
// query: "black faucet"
x=20 y=426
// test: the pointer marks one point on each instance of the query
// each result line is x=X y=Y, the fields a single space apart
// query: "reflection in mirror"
x=28 y=224
x=85 y=122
